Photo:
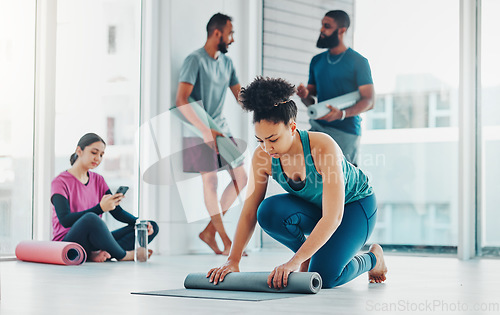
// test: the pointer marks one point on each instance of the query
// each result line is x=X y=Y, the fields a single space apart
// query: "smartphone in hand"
x=122 y=190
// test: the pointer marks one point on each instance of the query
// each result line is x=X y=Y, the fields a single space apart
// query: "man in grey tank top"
x=205 y=76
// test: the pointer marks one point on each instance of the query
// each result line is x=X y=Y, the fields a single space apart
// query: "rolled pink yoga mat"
x=51 y=252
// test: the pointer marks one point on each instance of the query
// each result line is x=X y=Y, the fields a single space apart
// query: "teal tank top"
x=356 y=182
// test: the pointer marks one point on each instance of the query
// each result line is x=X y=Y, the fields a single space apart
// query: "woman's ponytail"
x=72 y=158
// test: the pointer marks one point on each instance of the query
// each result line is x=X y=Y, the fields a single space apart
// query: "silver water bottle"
x=141 y=241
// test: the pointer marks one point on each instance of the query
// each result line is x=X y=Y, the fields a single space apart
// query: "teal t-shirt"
x=356 y=183
x=336 y=75
x=211 y=79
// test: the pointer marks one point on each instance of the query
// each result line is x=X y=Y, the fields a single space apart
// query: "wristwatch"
x=343 y=115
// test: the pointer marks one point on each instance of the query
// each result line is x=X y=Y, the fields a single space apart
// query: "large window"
x=98 y=85
x=410 y=140
x=97 y=90
x=17 y=55
x=490 y=127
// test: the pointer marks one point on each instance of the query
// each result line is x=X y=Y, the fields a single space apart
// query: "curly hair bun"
x=265 y=93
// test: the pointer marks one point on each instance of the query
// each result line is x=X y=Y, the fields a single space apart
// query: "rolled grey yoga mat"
x=298 y=282
x=341 y=102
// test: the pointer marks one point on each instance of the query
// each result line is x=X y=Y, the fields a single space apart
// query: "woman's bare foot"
x=304 y=267
x=377 y=274
x=141 y=254
x=209 y=239
x=99 y=256
x=129 y=256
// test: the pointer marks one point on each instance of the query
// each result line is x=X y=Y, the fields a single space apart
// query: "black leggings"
x=93 y=234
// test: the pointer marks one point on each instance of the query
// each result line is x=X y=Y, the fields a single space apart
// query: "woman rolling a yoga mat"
x=80 y=197
x=328 y=198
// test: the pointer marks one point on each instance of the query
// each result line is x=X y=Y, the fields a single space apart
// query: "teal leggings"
x=288 y=219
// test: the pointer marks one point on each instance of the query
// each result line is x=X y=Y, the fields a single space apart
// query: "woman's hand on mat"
x=217 y=274
x=278 y=278
x=109 y=202
x=210 y=137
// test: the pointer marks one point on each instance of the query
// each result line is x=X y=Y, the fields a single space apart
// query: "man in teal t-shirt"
x=335 y=72
x=205 y=76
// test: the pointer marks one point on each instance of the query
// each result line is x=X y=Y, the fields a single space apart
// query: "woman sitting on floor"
x=80 y=197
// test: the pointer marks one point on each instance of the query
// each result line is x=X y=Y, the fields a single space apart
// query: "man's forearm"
x=185 y=108
x=360 y=107
x=309 y=100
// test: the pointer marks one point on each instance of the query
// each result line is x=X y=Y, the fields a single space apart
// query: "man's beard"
x=329 y=41
x=222 y=46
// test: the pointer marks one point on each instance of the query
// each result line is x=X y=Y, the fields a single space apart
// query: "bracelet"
x=343 y=115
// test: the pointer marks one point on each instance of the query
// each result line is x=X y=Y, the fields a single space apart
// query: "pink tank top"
x=80 y=196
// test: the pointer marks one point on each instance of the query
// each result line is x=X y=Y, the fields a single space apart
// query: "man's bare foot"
x=227 y=251
x=99 y=256
x=377 y=274
x=304 y=267
x=209 y=239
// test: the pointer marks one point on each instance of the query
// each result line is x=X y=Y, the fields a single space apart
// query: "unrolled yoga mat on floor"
x=222 y=295
x=247 y=286
x=51 y=252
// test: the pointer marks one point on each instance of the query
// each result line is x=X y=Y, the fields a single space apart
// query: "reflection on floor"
x=415 y=284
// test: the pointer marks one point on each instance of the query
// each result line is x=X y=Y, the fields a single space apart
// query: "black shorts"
x=198 y=157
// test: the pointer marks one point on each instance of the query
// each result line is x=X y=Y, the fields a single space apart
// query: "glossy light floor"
x=415 y=285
